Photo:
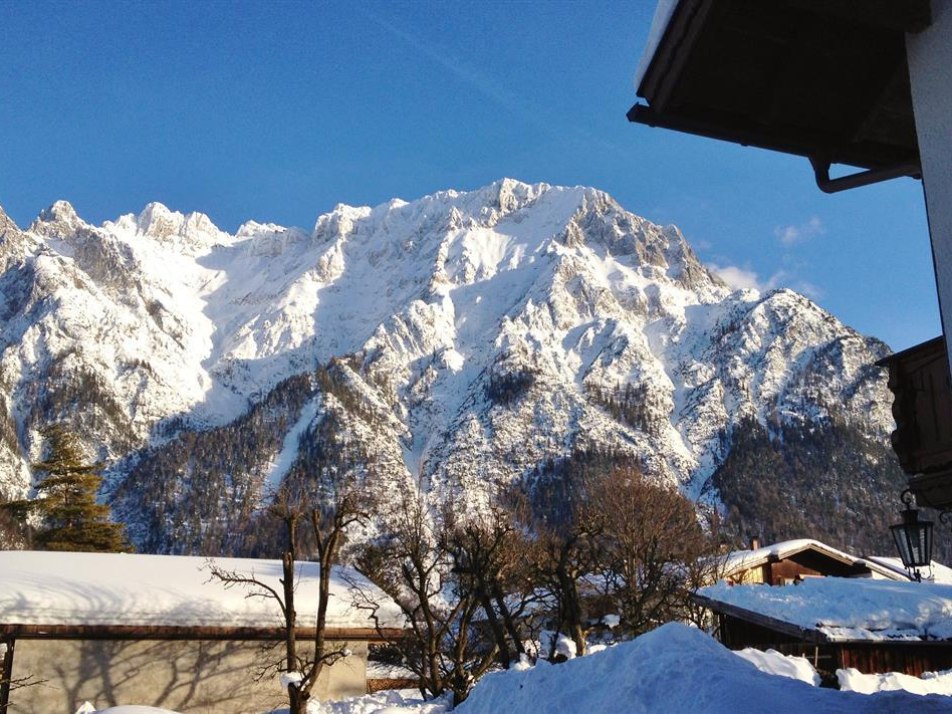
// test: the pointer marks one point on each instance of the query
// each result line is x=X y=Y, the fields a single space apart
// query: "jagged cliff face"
x=452 y=343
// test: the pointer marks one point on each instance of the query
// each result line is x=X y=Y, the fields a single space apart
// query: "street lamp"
x=913 y=538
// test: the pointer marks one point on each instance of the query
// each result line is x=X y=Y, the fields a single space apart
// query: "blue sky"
x=278 y=111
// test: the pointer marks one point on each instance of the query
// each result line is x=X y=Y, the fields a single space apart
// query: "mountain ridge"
x=453 y=343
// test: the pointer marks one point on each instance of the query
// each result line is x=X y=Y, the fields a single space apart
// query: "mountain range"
x=456 y=344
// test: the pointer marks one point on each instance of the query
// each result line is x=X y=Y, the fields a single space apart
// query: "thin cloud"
x=798 y=233
x=744 y=278
x=736 y=277
x=489 y=87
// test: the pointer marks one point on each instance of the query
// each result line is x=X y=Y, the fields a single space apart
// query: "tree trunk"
x=297 y=699
x=290 y=616
x=6 y=675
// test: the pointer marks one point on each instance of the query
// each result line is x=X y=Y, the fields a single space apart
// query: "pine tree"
x=71 y=518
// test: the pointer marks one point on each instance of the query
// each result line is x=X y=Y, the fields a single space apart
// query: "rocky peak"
x=7 y=225
x=193 y=233
x=58 y=221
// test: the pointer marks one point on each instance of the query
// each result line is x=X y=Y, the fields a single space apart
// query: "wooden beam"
x=787 y=140
x=664 y=71
x=164 y=632
x=904 y=16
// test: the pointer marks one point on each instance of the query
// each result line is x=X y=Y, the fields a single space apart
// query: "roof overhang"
x=756 y=618
x=825 y=79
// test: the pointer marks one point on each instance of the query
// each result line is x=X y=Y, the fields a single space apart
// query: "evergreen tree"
x=71 y=518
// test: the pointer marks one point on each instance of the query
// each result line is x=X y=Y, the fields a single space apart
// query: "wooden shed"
x=160 y=630
x=873 y=626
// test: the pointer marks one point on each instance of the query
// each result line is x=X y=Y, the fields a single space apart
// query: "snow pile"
x=87 y=708
x=672 y=669
x=773 y=662
x=386 y=702
x=845 y=609
x=52 y=588
x=852 y=680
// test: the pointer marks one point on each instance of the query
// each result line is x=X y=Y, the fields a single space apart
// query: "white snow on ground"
x=387 y=702
x=853 y=680
x=849 y=608
x=48 y=588
x=672 y=669
x=289 y=449
x=675 y=668
x=773 y=662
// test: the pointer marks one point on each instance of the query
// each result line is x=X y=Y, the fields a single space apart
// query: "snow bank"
x=773 y=662
x=134 y=709
x=852 y=680
x=673 y=669
x=388 y=702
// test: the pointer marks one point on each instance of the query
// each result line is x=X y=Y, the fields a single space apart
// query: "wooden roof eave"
x=672 y=59
x=809 y=146
x=166 y=632
x=802 y=633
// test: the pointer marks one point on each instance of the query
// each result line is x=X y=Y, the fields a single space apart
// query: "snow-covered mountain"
x=453 y=343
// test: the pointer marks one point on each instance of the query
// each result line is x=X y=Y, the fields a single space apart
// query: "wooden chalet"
x=863 y=84
x=793 y=561
x=156 y=630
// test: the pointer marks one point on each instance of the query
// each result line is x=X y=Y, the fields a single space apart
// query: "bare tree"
x=329 y=517
x=414 y=565
x=9 y=683
x=650 y=540
x=622 y=545
x=709 y=567
x=563 y=555
x=489 y=554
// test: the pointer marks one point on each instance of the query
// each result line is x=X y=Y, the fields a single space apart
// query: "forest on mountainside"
x=826 y=482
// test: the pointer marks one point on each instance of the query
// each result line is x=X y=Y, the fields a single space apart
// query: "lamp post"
x=913 y=538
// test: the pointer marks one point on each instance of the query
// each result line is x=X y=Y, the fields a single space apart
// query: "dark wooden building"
x=827 y=648
x=919 y=379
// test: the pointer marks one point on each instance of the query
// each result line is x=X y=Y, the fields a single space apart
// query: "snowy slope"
x=469 y=336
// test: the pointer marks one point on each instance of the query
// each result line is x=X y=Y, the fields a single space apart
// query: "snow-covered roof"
x=131 y=590
x=659 y=23
x=741 y=560
x=936 y=572
x=846 y=609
